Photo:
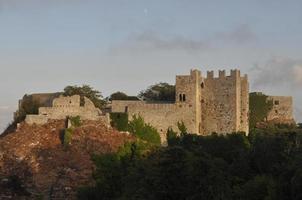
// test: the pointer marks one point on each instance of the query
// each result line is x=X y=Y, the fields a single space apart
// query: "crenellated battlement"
x=222 y=74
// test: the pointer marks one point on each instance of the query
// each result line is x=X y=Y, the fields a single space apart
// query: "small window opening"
x=202 y=85
x=277 y=102
x=126 y=109
x=184 y=97
x=180 y=97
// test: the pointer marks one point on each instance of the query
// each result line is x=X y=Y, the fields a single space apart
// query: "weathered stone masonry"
x=63 y=107
x=205 y=104
x=282 y=111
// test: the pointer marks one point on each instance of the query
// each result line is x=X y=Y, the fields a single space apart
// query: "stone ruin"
x=63 y=107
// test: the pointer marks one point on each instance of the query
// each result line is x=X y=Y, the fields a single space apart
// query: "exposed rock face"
x=35 y=156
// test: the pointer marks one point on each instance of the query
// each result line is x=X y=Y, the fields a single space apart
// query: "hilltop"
x=35 y=164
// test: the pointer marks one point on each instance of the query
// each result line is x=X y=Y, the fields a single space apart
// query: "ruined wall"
x=282 y=111
x=68 y=106
x=36 y=119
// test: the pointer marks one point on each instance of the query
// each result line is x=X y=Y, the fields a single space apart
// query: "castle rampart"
x=205 y=105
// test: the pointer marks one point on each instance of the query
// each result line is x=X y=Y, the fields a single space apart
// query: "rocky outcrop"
x=35 y=164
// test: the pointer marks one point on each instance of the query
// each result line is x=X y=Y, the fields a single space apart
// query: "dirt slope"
x=35 y=165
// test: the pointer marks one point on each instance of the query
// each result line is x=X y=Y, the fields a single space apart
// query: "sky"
x=127 y=45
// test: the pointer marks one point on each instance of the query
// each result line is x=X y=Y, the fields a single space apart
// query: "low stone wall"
x=64 y=107
x=36 y=119
x=161 y=115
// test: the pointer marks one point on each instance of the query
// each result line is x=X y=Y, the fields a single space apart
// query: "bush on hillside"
x=141 y=130
x=119 y=121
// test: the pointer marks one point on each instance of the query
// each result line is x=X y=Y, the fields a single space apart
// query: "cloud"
x=280 y=76
x=152 y=41
x=241 y=34
x=278 y=72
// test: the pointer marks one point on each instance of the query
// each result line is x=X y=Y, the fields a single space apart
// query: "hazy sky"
x=127 y=45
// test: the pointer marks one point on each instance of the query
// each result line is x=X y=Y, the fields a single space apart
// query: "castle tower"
x=188 y=89
x=225 y=107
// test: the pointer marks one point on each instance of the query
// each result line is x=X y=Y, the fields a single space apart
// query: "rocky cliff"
x=35 y=165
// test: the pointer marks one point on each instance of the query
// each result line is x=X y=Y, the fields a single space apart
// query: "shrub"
x=171 y=137
x=67 y=137
x=119 y=121
x=144 y=131
x=75 y=121
x=182 y=128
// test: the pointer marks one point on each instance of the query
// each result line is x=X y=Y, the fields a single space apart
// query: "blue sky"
x=129 y=44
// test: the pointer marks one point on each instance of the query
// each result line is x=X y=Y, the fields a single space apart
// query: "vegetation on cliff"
x=35 y=163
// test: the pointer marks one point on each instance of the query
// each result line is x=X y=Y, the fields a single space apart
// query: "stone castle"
x=205 y=105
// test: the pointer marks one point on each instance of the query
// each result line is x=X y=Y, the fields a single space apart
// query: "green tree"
x=85 y=91
x=119 y=121
x=159 y=92
x=259 y=108
x=121 y=96
x=28 y=106
x=172 y=137
x=182 y=128
x=140 y=129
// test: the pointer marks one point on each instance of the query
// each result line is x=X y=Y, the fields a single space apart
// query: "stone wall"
x=206 y=105
x=282 y=111
x=63 y=107
x=161 y=116
x=36 y=119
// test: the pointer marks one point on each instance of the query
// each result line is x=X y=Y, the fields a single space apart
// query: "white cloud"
x=278 y=71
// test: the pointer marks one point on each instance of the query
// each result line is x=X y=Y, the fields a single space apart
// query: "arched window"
x=180 y=97
x=184 y=97
x=202 y=85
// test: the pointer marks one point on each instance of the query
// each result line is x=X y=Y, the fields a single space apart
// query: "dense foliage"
x=260 y=166
x=159 y=92
x=119 y=121
x=85 y=91
x=121 y=96
x=143 y=131
x=259 y=108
